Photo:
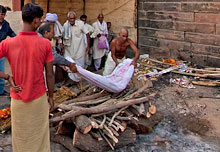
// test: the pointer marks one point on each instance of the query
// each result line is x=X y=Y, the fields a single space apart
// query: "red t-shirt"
x=27 y=53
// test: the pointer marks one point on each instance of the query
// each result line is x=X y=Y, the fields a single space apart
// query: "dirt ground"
x=196 y=110
x=190 y=120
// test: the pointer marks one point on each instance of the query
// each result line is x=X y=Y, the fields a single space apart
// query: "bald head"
x=124 y=30
x=123 y=34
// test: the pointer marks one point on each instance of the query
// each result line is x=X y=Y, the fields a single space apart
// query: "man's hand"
x=14 y=88
x=133 y=63
x=72 y=67
x=51 y=103
x=61 y=49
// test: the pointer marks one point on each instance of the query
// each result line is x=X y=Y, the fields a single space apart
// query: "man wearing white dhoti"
x=100 y=29
x=74 y=45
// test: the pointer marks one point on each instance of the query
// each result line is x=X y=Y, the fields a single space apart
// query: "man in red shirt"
x=28 y=55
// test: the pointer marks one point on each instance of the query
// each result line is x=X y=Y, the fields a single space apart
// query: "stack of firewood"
x=102 y=121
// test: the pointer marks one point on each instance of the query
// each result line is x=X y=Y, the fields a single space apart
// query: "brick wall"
x=120 y=12
x=186 y=29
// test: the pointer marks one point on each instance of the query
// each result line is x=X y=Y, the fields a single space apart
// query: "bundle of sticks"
x=103 y=121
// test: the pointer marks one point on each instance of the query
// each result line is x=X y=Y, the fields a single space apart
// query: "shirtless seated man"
x=118 y=50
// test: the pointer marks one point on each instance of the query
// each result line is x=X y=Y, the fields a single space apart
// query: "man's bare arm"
x=11 y=81
x=136 y=51
x=113 y=46
x=50 y=83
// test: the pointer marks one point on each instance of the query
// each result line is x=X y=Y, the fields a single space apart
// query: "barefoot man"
x=118 y=50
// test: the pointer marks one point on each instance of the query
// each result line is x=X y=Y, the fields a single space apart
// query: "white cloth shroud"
x=116 y=82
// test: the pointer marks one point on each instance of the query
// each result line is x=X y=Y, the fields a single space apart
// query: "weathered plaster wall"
x=6 y=3
x=120 y=12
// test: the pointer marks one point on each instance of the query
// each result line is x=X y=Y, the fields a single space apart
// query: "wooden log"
x=91 y=102
x=83 y=103
x=65 y=128
x=102 y=108
x=93 y=123
x=112 y=125
x=207 y=83
x=114 y=131
x=66 y=141
x=117 y=124
x=144 y=125
x=212 y=69
x=129 y=93
x=97 y=95
x=106 y=139
x=96 y=135
x=83 y=124
x=206 y=70
x=108 y=132
x=134 y=110
x=88 y=143
x=189 y=74
x=137 y=84
x=141 y=109
x=88 y=91
x=123 y=118
x=141 y=90
x=116 y=114
x=103 y=122
x=104 y=113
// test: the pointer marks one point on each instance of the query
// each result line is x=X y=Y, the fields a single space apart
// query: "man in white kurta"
x=88 y=55
x=74 y=39
x=100 y=28
x=75 y=47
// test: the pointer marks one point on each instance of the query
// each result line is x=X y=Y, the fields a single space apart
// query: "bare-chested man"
x=118 y=50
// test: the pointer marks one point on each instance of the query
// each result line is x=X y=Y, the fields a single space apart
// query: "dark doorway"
x=22 y=3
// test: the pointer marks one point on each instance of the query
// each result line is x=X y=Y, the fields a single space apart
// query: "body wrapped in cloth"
x=116 y=82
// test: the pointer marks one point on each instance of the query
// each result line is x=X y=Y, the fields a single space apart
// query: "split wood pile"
x=102 y=121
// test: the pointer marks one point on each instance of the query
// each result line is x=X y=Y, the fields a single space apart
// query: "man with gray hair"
x=74 y=45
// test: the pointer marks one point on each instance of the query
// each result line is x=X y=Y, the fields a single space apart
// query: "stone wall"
x=13 y=17
x=6 y=3
x=120 y=12
x=185 y=29
x=15 y=20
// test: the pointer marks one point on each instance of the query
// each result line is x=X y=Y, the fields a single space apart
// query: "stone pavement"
x=5 y=145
